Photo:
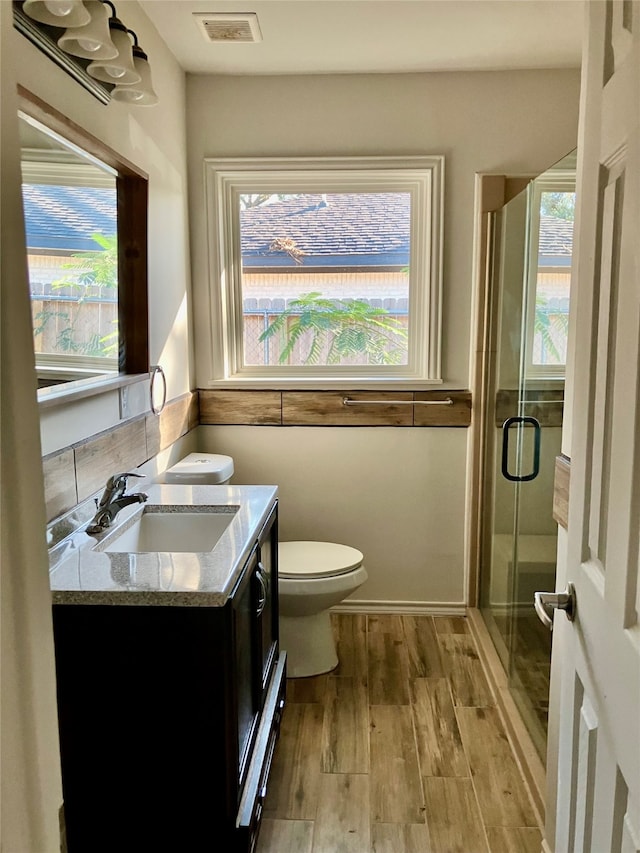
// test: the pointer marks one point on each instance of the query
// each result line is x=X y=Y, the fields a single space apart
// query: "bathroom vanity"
x=170 y=680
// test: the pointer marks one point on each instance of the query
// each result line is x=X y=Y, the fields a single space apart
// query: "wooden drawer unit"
x=168 y=716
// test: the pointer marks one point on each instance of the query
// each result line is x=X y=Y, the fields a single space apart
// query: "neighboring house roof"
x=334 y=229
x=64 y=218
x=355 y=229
x=555 y=242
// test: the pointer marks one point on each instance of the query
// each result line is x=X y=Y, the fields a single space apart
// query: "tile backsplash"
x=73 y=474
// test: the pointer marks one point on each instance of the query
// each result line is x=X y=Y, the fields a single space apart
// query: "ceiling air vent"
x=229 y=26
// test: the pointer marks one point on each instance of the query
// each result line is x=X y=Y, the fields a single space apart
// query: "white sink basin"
x=195 y=532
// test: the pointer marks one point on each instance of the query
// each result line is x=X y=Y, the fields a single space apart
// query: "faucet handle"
x=120 y=480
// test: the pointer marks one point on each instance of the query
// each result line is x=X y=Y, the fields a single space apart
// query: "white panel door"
x=598 y=655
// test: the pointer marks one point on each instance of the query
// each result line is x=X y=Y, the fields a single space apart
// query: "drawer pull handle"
x=265 y=574
x=262 y=601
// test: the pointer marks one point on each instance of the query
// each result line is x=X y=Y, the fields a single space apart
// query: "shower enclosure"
x=529 y=271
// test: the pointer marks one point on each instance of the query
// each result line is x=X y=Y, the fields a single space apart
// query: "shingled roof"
x=334 y=229
x=555 y=241
x=321 y=230
x=64 y=218
x=355 y=229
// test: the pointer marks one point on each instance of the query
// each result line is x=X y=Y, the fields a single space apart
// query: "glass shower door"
x=531 y=269
x=550 y=205
x=508 y=239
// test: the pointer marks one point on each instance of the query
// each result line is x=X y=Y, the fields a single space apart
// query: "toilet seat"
x=300 y=560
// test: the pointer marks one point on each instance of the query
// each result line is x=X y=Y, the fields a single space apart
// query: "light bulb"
x=114 y=71
x=141 y=93
x=59 y=7
x=58 y=13
x=130 y=96
x=89 y=44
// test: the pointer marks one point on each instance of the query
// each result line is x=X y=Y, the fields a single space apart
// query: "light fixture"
x=141 y=94
x=57 y=13
x=95 y=33
x=93 y=40
x=120 y=68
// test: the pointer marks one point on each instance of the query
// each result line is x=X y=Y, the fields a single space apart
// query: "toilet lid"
x=203 y=468
x=316 y=559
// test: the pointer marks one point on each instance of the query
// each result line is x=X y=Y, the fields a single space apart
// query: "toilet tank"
x=204 y=469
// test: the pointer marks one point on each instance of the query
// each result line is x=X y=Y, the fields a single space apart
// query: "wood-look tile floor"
x=398 y=750
x=530 y=654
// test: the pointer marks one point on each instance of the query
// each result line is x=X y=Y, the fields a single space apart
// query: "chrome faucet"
x=112 y=501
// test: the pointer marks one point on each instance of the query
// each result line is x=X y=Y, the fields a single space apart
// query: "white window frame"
x=226 y=179
x=557 y=181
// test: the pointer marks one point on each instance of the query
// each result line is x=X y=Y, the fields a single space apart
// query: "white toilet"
x=312 y=577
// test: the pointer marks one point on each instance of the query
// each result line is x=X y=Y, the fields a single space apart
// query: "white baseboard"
x=428 y=608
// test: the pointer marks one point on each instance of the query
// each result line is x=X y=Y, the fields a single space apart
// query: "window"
x=86 y=226
x=552 y=205
x=325 y=269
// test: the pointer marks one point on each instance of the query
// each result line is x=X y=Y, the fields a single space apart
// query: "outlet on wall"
x=124 y=402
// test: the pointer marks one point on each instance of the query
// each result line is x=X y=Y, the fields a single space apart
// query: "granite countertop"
x=82 y=574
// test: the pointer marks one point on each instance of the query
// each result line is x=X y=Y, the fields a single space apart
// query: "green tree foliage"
x=94 y=268
x=561 y=205
x=549 y=327
x=90 y=269
x=339 y=327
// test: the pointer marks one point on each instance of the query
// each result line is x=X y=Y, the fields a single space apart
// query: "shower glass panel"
x=508 y=238
x=530 y=275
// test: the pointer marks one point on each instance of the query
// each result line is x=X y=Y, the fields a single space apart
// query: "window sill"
x=69 y=392
x=322 y=384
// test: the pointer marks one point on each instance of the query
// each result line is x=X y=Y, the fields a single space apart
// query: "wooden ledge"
x=326 y=408
x=561 y=491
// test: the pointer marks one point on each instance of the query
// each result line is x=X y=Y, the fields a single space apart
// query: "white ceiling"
x=377 y=36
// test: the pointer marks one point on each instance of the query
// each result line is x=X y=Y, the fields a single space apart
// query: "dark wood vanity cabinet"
x=168 y=716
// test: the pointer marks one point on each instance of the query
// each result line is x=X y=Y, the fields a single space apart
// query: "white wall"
x=31 y=788
x=501 y=122
x=154 y=139
x=394 y=493
x=397 y=494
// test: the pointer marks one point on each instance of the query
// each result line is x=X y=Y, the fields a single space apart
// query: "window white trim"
x=556 y=181
x=43 y=168
x=65 y=154
x=226 y=179
x=55 y=363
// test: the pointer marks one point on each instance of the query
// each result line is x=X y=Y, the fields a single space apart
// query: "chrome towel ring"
x=155 y=370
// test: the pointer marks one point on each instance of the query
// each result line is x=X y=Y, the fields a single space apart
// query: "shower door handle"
x=506 y=426
x=546 y=602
